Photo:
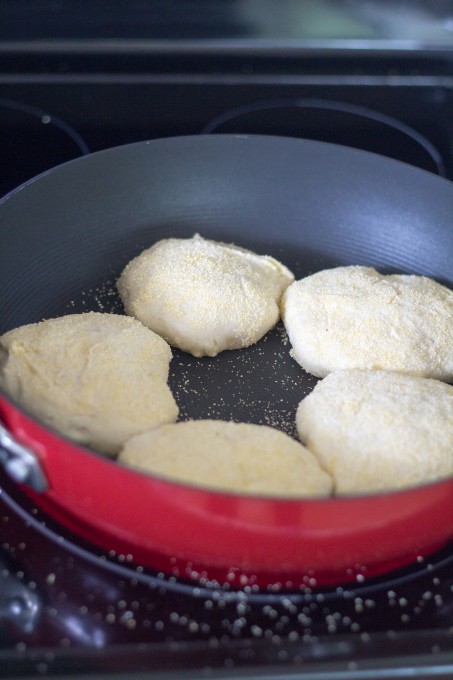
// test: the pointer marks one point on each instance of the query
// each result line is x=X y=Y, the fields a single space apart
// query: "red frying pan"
x=65 y=237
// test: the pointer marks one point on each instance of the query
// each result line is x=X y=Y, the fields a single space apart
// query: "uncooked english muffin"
x=230 y=456
x=375 y=430
x=204 y=296
x=96 y=378
x=354 y=317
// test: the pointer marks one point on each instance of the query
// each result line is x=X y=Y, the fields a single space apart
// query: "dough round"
x=231 y=456
x=96 y=378
x=374 y=430
x=354 y=317
x=204 y=296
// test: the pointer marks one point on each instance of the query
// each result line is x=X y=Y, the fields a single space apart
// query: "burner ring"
x=335 y=106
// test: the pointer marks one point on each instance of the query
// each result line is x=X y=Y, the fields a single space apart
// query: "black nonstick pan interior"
x=66 y=236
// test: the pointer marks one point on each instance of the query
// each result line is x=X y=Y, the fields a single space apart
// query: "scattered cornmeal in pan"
x=204 y=296
x=229 y=456
x=96 y=378
x=354 y=317
x=375 y=430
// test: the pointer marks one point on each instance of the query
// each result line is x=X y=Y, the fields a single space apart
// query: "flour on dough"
x=96 y=378
x=375 y=430
x=354 y=317
x=204 y=296
x=230 y=456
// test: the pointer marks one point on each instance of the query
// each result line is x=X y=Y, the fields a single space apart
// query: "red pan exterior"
x=204 y=535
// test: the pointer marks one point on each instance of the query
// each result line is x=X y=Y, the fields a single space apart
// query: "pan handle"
x=20 y=462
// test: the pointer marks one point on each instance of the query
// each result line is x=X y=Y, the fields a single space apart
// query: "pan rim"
x=208 y=139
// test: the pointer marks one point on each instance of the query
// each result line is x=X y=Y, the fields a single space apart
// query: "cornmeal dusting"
x=204 y=296
x=354 y=317
x=97 y=378
x=374 y=430
x=230 y=456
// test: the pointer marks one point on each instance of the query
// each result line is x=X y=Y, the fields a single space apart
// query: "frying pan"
x=65 y=237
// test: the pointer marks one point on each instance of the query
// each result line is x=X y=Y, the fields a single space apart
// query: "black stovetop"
x=65 y=608
x=68 y=608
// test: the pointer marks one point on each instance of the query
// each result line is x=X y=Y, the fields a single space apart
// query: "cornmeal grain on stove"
x=378 y=430
x=354 y=317
x=204 y=296
x=230 y=456
x=96 y=378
